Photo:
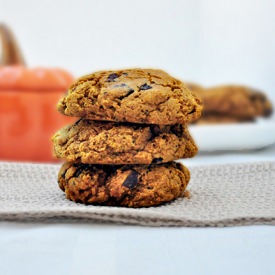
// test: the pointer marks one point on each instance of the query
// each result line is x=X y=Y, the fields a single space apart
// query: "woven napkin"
x=221 y=195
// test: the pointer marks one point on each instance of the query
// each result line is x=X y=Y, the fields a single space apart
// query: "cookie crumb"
x=187 y=194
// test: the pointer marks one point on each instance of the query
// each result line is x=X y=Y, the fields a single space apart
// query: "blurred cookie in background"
x=195 y=88
x=239 y=102
x=231 y=103
x=220 y=119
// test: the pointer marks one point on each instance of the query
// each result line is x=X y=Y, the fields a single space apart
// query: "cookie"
x=127 y=185
x=99 y=142
x=194 y=87
x=220 y=119
x=236 y=101
x=133 y=95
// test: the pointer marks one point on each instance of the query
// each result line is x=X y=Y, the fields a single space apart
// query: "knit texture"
x=220 y=195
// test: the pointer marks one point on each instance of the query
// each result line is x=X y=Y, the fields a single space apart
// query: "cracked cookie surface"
x=133 y=95
x=99 y=142
x=127 y=185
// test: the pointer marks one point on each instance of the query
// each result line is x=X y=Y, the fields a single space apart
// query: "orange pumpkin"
x=28 y=98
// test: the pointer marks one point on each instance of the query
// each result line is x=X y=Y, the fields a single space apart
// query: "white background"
x=207 y=41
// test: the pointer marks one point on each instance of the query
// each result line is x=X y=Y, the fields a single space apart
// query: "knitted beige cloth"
x=221 y=195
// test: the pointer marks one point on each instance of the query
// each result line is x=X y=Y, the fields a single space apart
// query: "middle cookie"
x=98 y=142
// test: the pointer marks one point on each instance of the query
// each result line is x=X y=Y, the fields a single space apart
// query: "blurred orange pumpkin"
x=28 y=98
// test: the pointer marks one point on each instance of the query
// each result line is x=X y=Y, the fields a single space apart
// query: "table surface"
x=78 y=248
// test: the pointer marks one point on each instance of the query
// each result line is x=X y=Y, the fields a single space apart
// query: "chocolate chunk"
x=131 y=181
x=192 y=112
x=253 y=97
x=144 y=87
x=155 y=130
x=78 y=172
x=177 y=129
x=125 y=73
x=268 y=112
x=76 y=123
x=130 y=92
x=157 y=160
x=63 y=174
x=102 y=178
x=80 y=169
x=112 y=77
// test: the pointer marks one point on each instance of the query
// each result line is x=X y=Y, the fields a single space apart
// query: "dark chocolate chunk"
x=76 y=123
x=268 y=112
x=144 y=87
x=129 y=92
x=193 y=111
x=80 y=169
x=112 y=77
x=102 y=178
x=155 y=130
x=131 y=181
x=63 y=174
x=258 y=96
x=177 y=129
x=125 y=73
x=78 y=172
x=157 y=160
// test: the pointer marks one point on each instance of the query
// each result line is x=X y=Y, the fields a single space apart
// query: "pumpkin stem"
x=10 y=53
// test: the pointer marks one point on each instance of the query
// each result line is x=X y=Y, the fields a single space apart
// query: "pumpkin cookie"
x=220 y=119
x=133 y=95
x=128 y=185
x=194 y=87
x=239 y=102
x=99 y=142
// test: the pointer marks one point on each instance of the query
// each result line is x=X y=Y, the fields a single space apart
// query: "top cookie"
x=133 y=95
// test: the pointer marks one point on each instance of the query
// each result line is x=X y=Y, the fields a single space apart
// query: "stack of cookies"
x=132 y=126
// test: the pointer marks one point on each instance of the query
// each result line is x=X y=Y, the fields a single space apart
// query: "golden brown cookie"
x=133 y=95
x=238 y=102
x=220 y=119
x=99 y=142
x=194 y=87
x=128 y=185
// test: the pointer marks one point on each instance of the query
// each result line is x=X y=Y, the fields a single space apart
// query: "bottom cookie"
x=123 y=185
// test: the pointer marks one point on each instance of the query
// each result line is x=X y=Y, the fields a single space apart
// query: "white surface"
x=209 y=41
x=265 y=154
x=239 y=136
x=71 y=249
x=107 y=249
